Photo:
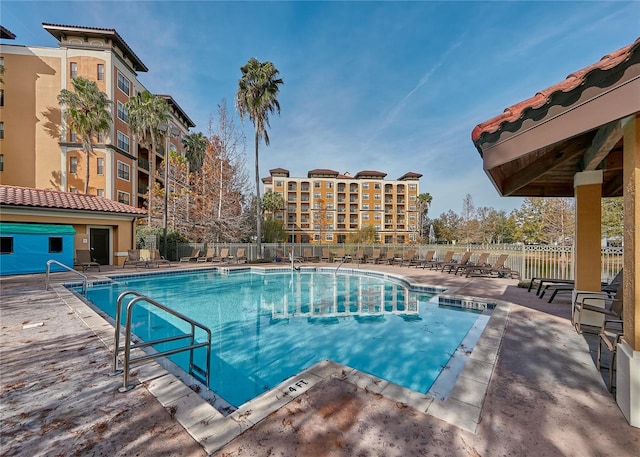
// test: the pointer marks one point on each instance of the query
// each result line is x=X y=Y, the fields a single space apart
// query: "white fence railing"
x=530 y=260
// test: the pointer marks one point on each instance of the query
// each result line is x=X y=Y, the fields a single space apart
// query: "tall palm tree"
x=88 y=113
x=146 y=111
x=195 y=145
x=424 y=200
x=257 y=97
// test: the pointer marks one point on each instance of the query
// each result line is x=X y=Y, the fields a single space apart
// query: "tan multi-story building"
x=326 y=206
x=37 y=149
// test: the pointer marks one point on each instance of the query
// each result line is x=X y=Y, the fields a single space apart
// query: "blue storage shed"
x=25 y=248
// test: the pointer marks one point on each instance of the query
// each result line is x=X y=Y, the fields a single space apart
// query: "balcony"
x=142 y=188
x=143 y=163
x=292 y=186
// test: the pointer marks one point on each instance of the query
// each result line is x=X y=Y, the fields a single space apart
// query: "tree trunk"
x=87 y=151
x=258 y=212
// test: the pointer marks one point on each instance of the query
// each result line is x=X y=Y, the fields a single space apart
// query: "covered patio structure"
x=581 y=138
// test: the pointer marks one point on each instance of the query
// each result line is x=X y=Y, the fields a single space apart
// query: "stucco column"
x=628 y=363
x=588 y=194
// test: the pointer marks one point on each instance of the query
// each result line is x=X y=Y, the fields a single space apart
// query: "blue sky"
x=388 y=86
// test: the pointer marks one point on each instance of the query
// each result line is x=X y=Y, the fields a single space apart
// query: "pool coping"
x=461 y=406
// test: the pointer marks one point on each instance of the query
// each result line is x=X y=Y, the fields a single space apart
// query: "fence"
x=529 y=260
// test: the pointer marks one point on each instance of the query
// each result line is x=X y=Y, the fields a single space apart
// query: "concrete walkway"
x=545 y=396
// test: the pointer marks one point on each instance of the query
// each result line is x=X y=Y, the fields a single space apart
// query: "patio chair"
x=409 y=258
x=156 y=258
x=428 y=258
x=374 y=257
x=222 y=257
x=359 y=256
x=464 y=260
x=241 y=256
x=194 y=256
x=390 y=256
x=481 y=260
x=210 y=254
x=340 y=255
x=326 y=255
x=133 y=259
x=610 y=335
x=435 y=264
x=612 y=307
x=84 y=260
x=308 y=255
x=498 y=269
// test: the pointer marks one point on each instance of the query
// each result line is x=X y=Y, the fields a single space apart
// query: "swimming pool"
x=269 y=325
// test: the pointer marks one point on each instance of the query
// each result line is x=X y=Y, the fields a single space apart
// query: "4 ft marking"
x=300 y=384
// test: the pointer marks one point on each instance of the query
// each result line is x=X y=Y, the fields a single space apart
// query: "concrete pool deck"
x=544 y=395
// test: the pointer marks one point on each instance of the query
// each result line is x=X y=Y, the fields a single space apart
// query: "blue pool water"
x=268 y=327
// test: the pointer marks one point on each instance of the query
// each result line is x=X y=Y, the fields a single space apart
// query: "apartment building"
x=37 y=149
x=326 y=206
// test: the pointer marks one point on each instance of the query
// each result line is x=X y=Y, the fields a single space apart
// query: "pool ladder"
x=199 y=373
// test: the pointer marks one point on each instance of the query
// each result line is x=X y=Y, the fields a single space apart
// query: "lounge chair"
x=428 y=258
x=133 y=259
x=340 y=255
x=241 y=256
x=464 y=260
x=409 y=258
x=390 y=256
x=326 y=255
x=448 y=257
x=210 y=254
x=568 y=286
x=84 y=260
x=359 y=256
x=222 y=257
x=498 y=269
x=308 y=255
x=156 y=258
x=480 y=261
x=590 y=302
x=194 y=256
x=610 y=335
x=374 y=257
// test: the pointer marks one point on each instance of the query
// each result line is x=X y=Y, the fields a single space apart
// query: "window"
x=412 y=187
x=329 y=185
x=377 y=207
x=316 y=206
x=123 y=141
x=100 y=137
x=123 y=83
x=73 y=70
x=73 y=137
x=1 y=97
x=376 y=197
x=316 y=185
x=100 y=72
x=100 y=192
x=365 y=217
x=278 y=183
x=6 y=245
x=329 y=216
x=329 y=205
x=123 y=173
x=365 y=206
x=365 y=196
x=1 y=130
x=316 y=237
x=100 y=166
x=376 y=227
x=316 y=195
x=330 y=195
x=1 y=162
x=376 y=186
x=329 y=226
x=316 y=216
x=377 y=217
x=73 y=164
x=365 y=185
x=329 y=237
x=123 y=197
x=316 y=227
x=412 y=198
x=123 y=115
x=55 y=244
x=73 y=190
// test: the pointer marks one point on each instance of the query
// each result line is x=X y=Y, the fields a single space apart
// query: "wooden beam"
x=605 y=140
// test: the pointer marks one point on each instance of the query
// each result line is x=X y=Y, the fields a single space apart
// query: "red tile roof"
x=410 y=175
x=52 y=199
x=573 y=81
x=279 y=171
x=368 y=173
x=322 y=172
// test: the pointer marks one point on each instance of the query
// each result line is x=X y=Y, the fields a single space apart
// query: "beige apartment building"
x=37 y=150
x=326 y=206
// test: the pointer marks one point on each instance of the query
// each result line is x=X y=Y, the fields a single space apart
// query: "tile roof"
x=572 y=82
x=366 y=173
x=15 y=196
x=410 y=175
x=323 y=172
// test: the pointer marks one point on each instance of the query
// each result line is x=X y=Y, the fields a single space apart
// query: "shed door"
x=99 y=240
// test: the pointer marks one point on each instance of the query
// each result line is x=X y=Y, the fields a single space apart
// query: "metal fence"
x=530 y=260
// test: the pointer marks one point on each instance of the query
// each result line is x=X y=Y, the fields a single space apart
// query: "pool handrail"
x=128 y=361
x=46 y=280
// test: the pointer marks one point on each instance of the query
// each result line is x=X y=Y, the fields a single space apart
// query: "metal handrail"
x=128 y=361
x=46 y=280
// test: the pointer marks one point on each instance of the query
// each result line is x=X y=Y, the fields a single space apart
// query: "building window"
x=376 y=227
x=329 y=205
x=123 y=172
x=1 y=97
x=73 y=164
x=376 y=197
x=55 y=244
x=365 y=185
x=100 y=192
x=365 y=206
x=1 y=162
x=329 y=237
x=377 y=217
x=100 y=166
x=100 y=72
x=316 y=185
x=377 y=207
x=329 y=185
x=1 y=130
x=376 y=186
x=73 y=190
x=73 y=70
x=412 y=187
x=316 y=227
x=316 y=237
x=123 y=141
x=73 y=138
x=100 y=137
x=123 y=115
x=412 y=198
x=6 y=245
x=329 y=216
x=123 y=83
x=330 y=195
x=316 y=195
x=278 y=183
x=365 y=217
x=123 y=197
x=316 y=216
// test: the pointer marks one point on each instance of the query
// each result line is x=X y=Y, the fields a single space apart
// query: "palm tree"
x=195 y=145
x=146 y=111
x=424 y=200
x=89 y=114
x=257 y=97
